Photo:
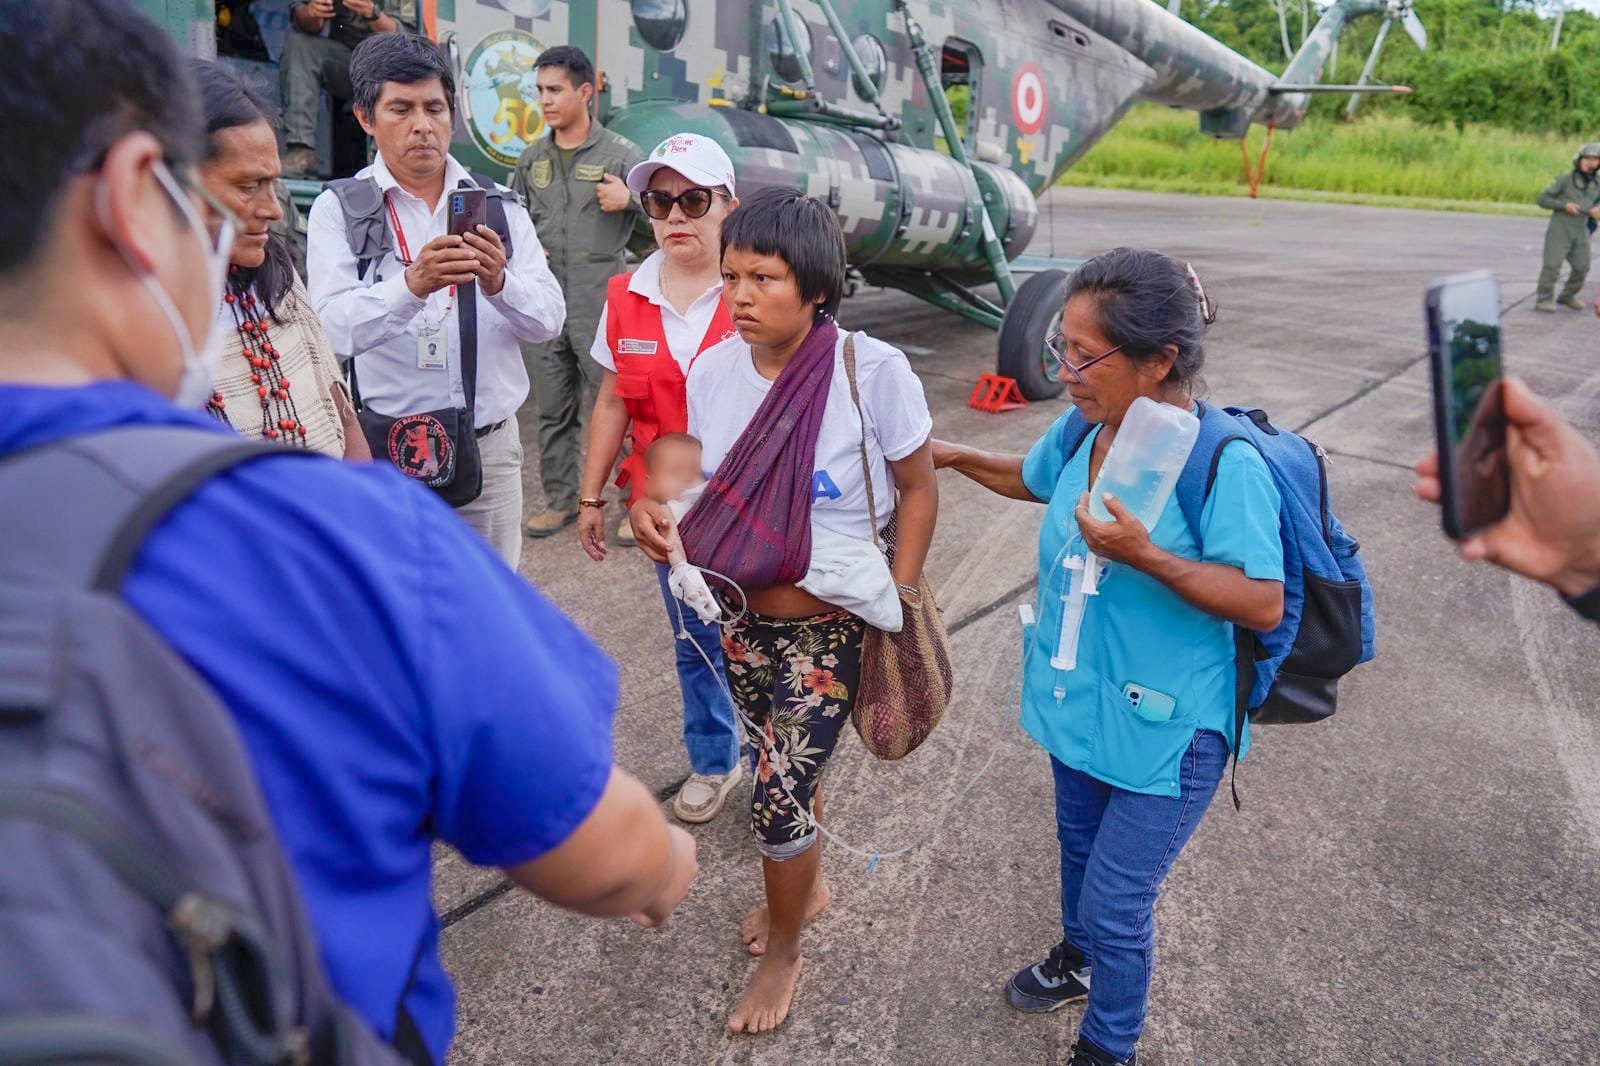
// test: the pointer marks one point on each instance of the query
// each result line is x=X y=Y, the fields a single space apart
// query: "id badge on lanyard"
x=433 y=345
x=432 y=348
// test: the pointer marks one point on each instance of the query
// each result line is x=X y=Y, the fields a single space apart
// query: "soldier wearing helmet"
x=1573 y=201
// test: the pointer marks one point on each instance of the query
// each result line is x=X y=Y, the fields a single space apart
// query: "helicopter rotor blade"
x=1414 y=28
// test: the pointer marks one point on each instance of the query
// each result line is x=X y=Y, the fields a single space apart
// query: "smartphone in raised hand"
x=468 y=209
x=1463 y=315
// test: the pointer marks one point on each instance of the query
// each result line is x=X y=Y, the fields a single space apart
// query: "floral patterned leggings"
x=796 y=678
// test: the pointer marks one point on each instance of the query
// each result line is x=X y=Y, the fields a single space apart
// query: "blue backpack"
x=1290 y=675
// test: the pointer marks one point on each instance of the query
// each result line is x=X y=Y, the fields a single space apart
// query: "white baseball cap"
x=700 y=159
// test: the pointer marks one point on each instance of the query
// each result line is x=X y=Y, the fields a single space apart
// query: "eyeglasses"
x=695 y=202
x=1056 y=345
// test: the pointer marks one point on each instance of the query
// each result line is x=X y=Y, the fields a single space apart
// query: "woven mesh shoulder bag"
x=906 y=677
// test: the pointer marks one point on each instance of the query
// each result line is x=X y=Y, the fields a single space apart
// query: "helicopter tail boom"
x=1195 y=71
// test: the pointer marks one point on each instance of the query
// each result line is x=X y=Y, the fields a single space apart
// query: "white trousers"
x=497 y=512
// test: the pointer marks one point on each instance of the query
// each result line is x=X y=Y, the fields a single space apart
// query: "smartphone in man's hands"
x=1463 y=314
x=468 y=210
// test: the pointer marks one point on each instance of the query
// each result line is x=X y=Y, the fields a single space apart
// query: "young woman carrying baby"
x=793 y=660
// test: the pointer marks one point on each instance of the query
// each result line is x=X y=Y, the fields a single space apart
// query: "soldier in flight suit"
x=573 y=183
x=1573 y=201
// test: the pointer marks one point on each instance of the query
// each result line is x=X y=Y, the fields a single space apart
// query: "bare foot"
x=765 y=1003
x=753 y=930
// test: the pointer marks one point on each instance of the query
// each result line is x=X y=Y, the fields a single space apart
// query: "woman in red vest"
x=655 y=322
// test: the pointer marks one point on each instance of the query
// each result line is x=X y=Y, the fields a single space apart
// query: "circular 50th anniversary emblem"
x=501 y=99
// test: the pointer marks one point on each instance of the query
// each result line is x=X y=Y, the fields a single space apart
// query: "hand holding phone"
x=1468 y=404
x=1552 y=533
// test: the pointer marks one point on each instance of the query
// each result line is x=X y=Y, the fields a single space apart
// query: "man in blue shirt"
x=392 y=681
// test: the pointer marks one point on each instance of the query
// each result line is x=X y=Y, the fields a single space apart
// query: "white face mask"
x=199 y=361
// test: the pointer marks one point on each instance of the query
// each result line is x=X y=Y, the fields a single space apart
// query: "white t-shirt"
x=684 y=333
x=725 y=389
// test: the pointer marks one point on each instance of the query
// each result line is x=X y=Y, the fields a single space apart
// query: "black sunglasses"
x=695 y=202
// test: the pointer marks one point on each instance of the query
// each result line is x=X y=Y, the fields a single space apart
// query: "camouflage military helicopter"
x=852 y=102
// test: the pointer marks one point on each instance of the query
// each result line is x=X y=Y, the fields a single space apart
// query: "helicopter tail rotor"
x=1399 y=12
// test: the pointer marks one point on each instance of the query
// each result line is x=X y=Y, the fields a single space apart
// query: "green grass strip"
x=1382 y=160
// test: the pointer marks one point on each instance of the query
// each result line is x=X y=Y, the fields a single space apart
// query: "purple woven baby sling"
x=753 y=521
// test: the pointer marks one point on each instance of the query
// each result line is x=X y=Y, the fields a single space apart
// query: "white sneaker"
x=702 y=796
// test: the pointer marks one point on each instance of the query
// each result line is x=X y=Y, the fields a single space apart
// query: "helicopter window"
x=870 y=51
x=781 y=53
x=660 y=22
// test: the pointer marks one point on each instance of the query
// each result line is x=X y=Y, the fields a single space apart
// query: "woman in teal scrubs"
x=1138 y=731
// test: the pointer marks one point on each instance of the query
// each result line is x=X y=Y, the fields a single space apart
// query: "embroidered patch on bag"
x=628 y=346
x=420 y=446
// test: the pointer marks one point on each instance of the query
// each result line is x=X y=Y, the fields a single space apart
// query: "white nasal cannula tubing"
x=758 y=735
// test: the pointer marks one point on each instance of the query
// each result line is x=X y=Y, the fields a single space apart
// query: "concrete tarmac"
x=1414 y=881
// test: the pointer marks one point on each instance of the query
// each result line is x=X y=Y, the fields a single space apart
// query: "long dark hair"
x=231 y=102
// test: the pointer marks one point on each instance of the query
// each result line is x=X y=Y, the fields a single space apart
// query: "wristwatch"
x=1587 y=604
x=592 y=501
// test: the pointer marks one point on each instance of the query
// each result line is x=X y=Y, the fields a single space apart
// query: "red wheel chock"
x=995 y=393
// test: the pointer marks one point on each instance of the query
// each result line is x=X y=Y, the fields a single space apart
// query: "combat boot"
x=300 y=162
x=1572 y=303
x=549 y=522
x=1545 y=305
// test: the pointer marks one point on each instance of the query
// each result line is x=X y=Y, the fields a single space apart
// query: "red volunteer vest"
x=649 y=382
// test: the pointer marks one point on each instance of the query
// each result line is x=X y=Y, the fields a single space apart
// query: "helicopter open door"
x=961 y=74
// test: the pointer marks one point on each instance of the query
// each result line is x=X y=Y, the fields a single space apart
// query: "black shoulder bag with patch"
x=438 y=448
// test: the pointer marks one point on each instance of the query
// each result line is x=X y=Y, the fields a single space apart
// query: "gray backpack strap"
x=366 y=230
x=114 y=486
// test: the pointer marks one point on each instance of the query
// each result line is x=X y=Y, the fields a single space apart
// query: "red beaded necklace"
x=279 y=418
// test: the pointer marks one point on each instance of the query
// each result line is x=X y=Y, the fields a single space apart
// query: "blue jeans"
x=1116 y=849
x=710 y=732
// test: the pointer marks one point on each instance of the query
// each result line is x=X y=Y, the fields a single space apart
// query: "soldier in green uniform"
x=316 y=58
x=1573 y=201
x=583 y=211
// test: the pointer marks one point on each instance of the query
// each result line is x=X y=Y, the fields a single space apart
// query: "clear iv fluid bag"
x=1148 y=454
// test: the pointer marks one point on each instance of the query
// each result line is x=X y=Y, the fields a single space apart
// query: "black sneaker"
x=1061 y=979
x=1086 y=1053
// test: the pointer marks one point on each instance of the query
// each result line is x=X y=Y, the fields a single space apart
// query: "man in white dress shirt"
x=391 y=315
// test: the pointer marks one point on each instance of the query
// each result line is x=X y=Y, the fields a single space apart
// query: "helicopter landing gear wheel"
x=1034 y=314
